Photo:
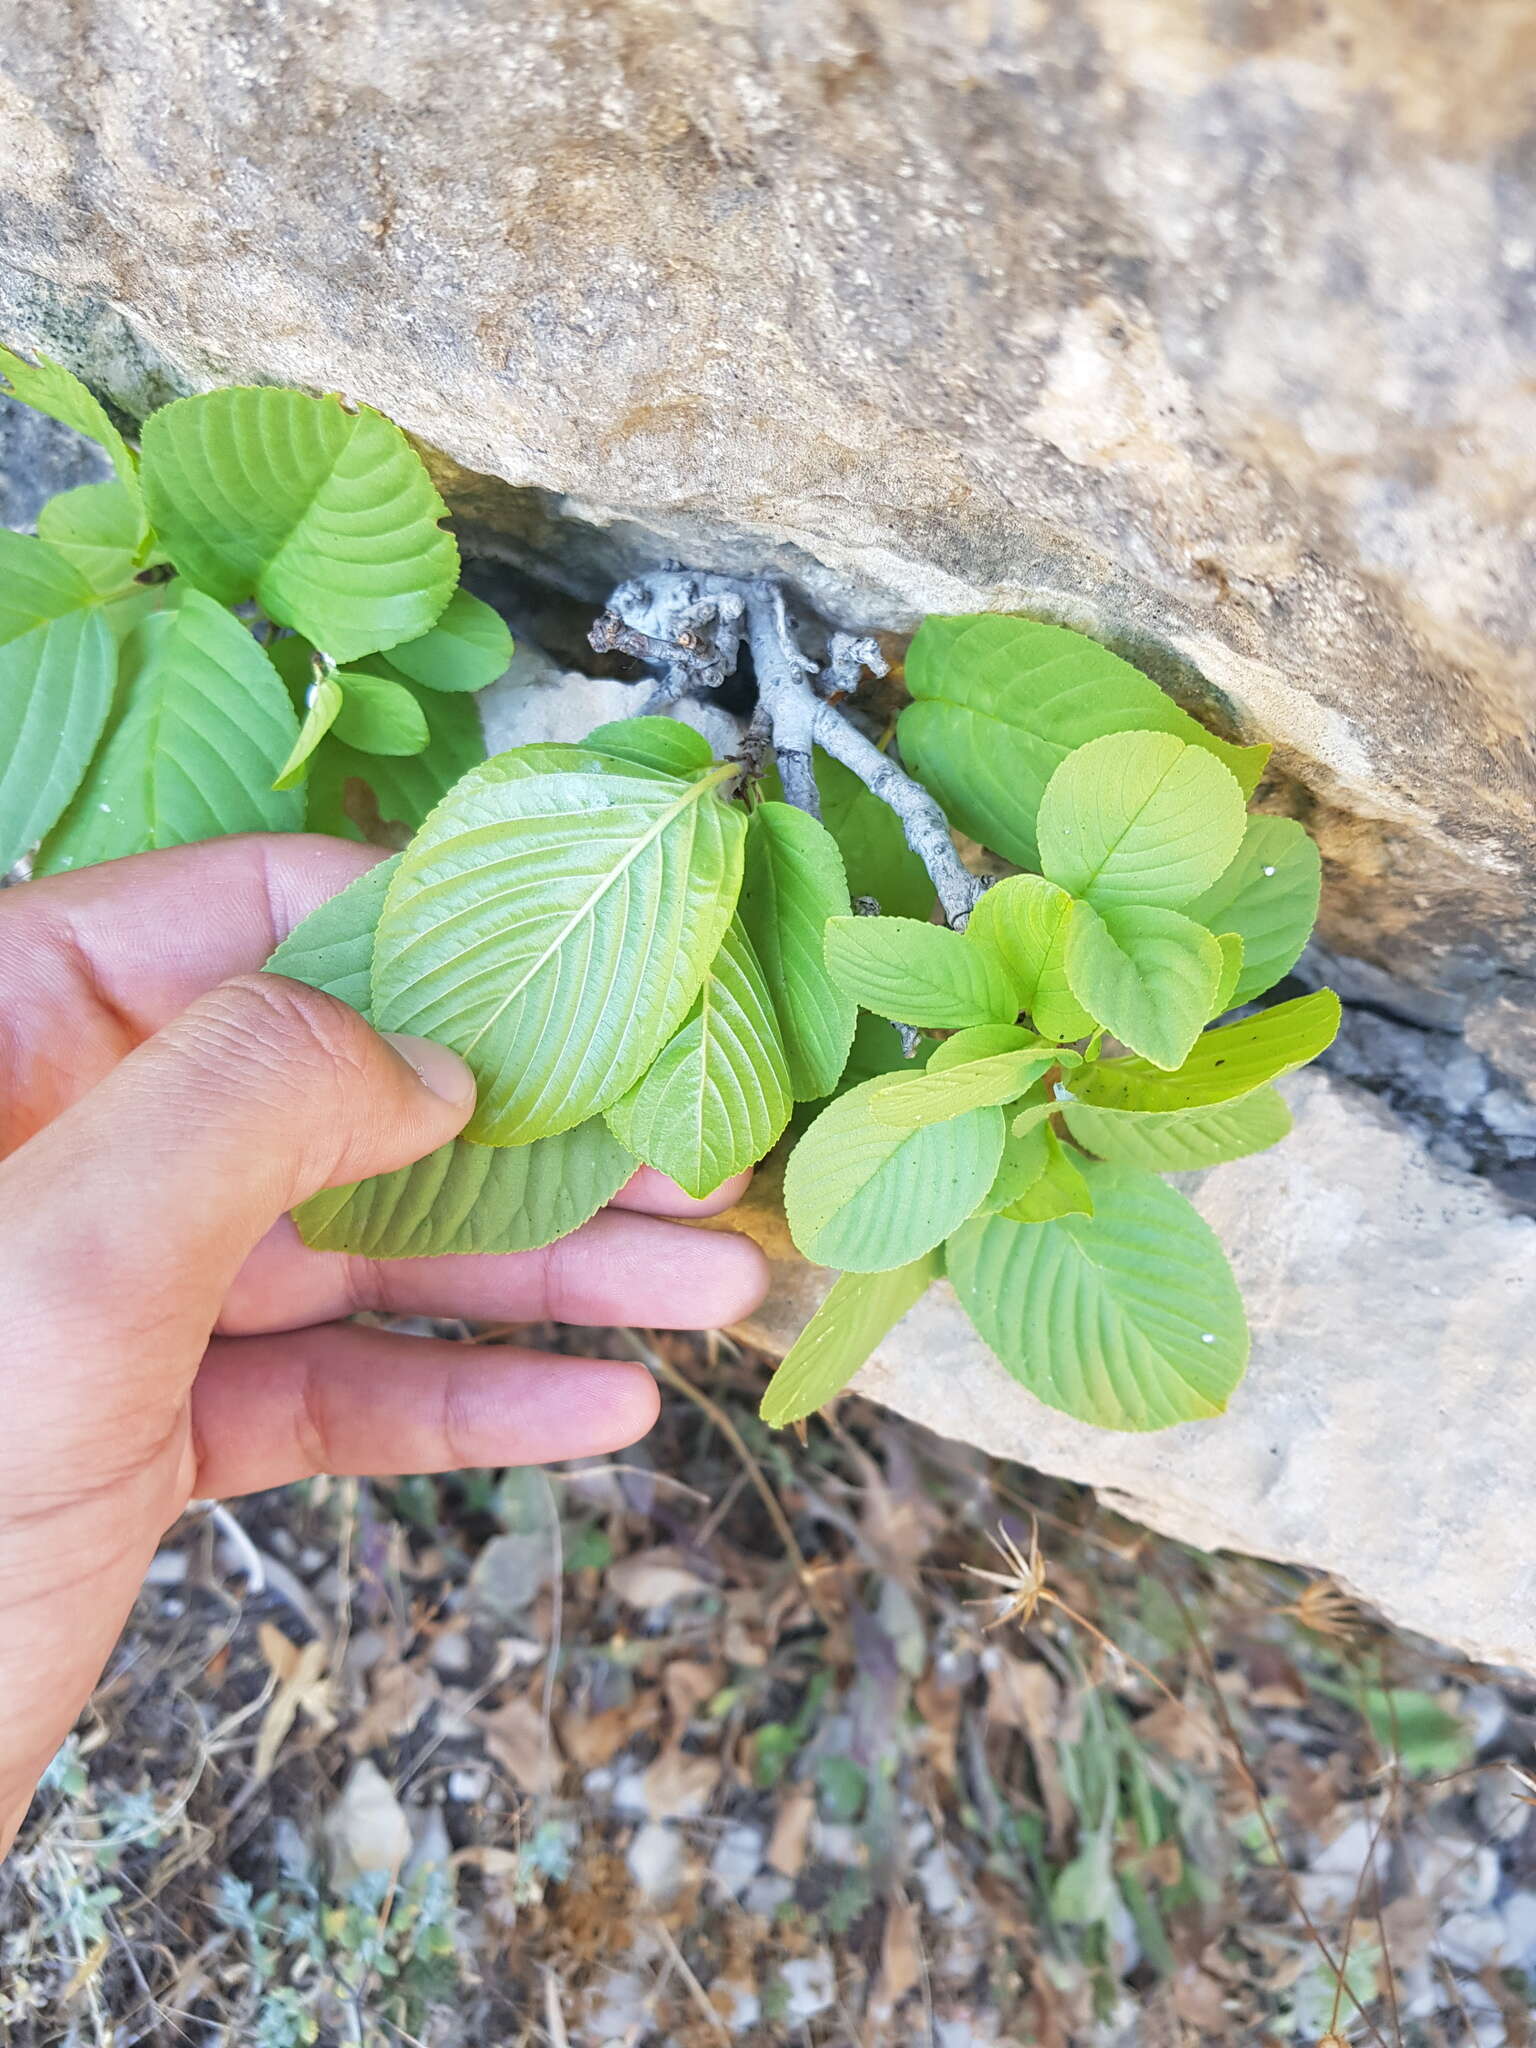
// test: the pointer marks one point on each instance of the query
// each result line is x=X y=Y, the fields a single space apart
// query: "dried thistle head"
x=1023 y=1585
x=1327 y=1610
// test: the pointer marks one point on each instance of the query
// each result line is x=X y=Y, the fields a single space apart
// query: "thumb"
x=148 y=1194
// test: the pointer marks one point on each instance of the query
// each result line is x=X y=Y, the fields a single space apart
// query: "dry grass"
x=718 y=1743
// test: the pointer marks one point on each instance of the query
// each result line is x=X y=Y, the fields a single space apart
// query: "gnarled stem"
x=690 y=625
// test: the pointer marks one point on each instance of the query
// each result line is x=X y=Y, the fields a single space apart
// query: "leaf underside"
x=717 y=1096
x=463 y=1197
x=1162 y=1143
x=554 y=931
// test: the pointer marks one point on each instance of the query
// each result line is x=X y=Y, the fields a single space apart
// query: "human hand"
x=164 y=1334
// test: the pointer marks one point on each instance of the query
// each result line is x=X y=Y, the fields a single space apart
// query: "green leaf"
x=792 y=884
x=325 y=701
x=1002 y=702
x=1058 y=1189
x=980 y=1042
x=473 y=1198
x=97 y=527
x=1229 y=1062
x=378 y=716
x=867 y=1196
x=913 y=973
x=876 y=856
x=1025 y=1156
x=463 y=1197
x=1139 y=819
x=858 y=1311
x=58 y=662
x=1128 y=1318
x=718 y=1095
x=48 y=387
x=1149 y=976
x=333 y=948
x=939 y=1093
x=327 y=517
x=663 y=744
x=1231 y=967
x=554 y=931
x=1024 y=919
x=1164 y=1142
x=201 y=726
x=468 y=649
x=1268 y=896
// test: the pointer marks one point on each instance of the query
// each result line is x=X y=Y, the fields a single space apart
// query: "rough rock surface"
x=1385 y=1431
x=1209 y=329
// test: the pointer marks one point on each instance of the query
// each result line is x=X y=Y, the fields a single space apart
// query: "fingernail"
x=436 y=1067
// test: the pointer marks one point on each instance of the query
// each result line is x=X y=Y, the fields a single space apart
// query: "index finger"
x=93 y=962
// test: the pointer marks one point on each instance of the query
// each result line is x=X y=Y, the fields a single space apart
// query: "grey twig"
x=690 y=624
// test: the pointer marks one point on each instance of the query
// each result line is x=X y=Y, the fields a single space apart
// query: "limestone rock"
x=1206 y=329
x=1385 y=1431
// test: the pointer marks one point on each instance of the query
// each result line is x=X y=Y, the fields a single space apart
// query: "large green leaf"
x=858 y=1311
x=940 y=1092
x=1149 y=976
x=792 y=884
x=878 y=861
x=49 y=387
x=1128 y=1318
x=554 y=931
x=1172 y=1142
x=463 y=1197
x=1229 y=1062
x=1268 y=896
x=473 y=1198
x=718 y=1095
x=868 y=1196
x=1000 y=704
x=97 y=527
x=913 y=973
x=664 y=745
x=201 y=725
x=1139 y=818
x=58 y=662
x=327 y=517
x=468 y=648
x=1058 y=1189
x=333 y=948
x=1024 y=920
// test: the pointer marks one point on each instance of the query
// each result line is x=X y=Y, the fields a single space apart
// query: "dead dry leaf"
x=791 y=1832
x=398 y=1696
x=366 y=1830
x=901 y=1959
x=1023 y=1694
x=521 y=1742
x=655 y=1578
x=592 y=1740
x=301 y=1684
x=680 y=1786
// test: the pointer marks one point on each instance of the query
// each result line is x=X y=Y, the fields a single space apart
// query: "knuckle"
x=269 y=1022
